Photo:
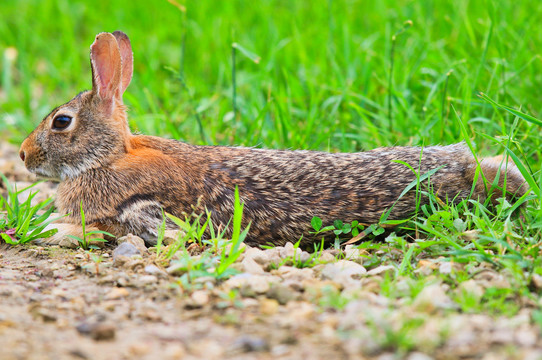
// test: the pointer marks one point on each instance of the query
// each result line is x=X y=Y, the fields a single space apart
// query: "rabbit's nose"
x=22 y=155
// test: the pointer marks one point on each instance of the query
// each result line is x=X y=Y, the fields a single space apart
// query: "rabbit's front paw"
x=62 y=239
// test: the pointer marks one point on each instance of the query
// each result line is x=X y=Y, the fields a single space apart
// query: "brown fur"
x=124 y=181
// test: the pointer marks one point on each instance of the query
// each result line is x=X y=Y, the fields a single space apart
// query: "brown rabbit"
x=124 y=181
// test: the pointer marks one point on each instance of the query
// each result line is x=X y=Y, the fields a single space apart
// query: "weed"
x=88 y=237
x=22 y=222
x=218 y=253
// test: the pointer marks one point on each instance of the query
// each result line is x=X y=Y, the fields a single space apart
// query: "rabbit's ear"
x=127 y=58
x=106 y=68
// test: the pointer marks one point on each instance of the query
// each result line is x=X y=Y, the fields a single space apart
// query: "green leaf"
x=8 y=239
x=253 y=57
x=511 y=110
x=316 y=223
x=378 y=231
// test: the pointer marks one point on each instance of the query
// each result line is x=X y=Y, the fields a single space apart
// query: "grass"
x=22 y=221
x=216 y=255
x=89 y=239
x=331 y=75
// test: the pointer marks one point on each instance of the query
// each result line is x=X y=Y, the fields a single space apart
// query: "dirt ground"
x=58 y=303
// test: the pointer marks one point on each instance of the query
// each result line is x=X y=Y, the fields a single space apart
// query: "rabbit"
x=125 y=182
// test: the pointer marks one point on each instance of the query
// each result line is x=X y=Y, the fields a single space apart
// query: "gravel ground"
x=58 y=303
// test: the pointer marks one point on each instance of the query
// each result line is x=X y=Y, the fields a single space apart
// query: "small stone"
x=139 y=349
x=257 y=255
x=134 y=263
x=419 y=356
x=155 y=270
x=326 y=257
x=536 y=281
x=69 y=243
x=138 y=242
x=352 y=253
x=293 y=273
x=526 y=336
x=103 y=331
x=176 y=268
x=171 y=236
x=117 y=293
x=471 y=287
x=449 y=267
x=432 y=298
x=250 y=344
x=344 y=272
x=249 y=265
x=490 y=278
x=148 y=279
x=269 y=306
x=425 y=267
x=174 y=351
x=126 y=249
x=288 y=250
x=45 y=314
x=199 y=298
x=272 y=257
x=97 y=330
x=248 y=283
x=382 y=270
x=281 y=293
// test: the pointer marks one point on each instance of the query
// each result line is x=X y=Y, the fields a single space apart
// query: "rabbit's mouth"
x=43 y=173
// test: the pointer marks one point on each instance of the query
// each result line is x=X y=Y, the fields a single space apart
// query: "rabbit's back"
x=282 y=190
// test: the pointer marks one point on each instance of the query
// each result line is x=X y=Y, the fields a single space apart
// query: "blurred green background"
x=324 y=79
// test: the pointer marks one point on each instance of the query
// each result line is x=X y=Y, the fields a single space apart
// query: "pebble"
x=449 y=267
x=382 y=270
x=283 y=294
x=138 y=242
x=419 y=356
x=250 y=344
x=352 y=253
x=154 y=270
x=117 y=293
x=45 y=314
x=432 y=298
x=491 y=278
x=273 y=256
x=326 y=257
x=471 y=287
x=293 y=273
x=171 y=236
x=249 y=265
x=174 y=351
x=344 y=272
x=148 y=279
x=125 y=249
x=257 y=255
x=98 y=330
x=259 y=284
x=176 y=268
x=69 y=243
x=536 y=281
x=269 y=306
x=199 y=298
x=288 y=251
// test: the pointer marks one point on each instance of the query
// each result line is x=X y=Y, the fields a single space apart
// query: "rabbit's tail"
x=505 y=175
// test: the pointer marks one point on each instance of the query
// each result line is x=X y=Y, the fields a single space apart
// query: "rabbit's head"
x=91 y=129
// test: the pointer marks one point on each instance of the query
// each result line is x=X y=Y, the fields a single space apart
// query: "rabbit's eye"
x=61 y=122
